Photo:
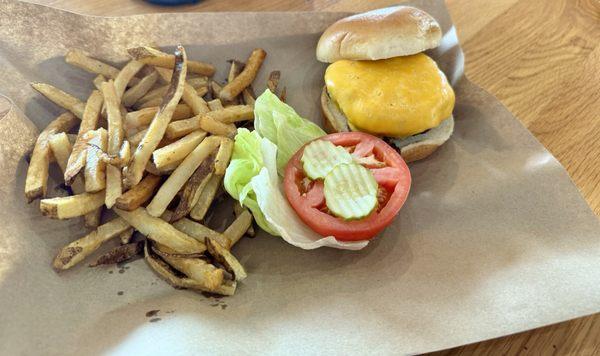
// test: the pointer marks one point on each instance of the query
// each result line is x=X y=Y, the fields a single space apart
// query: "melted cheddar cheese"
x=396 y=97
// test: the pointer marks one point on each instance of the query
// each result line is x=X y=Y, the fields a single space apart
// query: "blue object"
x=172 y=2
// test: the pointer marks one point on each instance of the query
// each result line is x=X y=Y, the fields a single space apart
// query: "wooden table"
x=540 y=58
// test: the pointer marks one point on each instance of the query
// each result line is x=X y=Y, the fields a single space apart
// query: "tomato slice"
x=308 y=203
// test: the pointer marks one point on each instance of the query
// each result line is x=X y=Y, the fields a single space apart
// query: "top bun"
x=379 y=34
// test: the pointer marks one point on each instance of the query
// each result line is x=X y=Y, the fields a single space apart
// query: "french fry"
x=36 y=181
x=115 y=139
x=246 y=77
x=61 y=149
x=165 y=271
x=155 y=133
x=95 y=168
x=79 y=249
x=71 y=206
x=238 y=209
x=215 y=89
x=234 y=70
x=182 y=128
x=157 y=58
x=143 y=117
x=136 y=92
x=215 y=127
x=201 y=91
x=60 y=98
x=178 y=150
x=156 y=102
x=223 y=156
x=98 y=81
x=137 y=138
x=215 y=104
x=199 y=231
x=238 y=228
x=194 y=100
x=248 y=95
x=177 y=179
x=193 y=187
x=139 y=194
x=206 y=197
x=120 y=253
x=159 y=92
x=226 y=259
x=126 y=236
x=161 y=231
x=79 y=59
x=273 y=81
x=233 y=114
x=199 y=270
x=89 y=121
x=125 y=76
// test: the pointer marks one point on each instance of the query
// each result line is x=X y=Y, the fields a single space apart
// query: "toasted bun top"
x=379 y=34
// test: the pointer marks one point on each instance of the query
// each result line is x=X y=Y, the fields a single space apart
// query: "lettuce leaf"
x=246 y=162
x=280 y=124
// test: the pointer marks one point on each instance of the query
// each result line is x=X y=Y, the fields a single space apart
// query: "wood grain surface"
x=540 y=58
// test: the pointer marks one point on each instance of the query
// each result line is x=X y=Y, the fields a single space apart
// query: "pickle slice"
x=350 y=191
x=320 y=157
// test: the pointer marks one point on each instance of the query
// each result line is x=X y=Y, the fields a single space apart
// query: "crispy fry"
x=206 y=197
x=215 y=127
x=253 y=64
x=157 y=58
x=183 y=127
x=226 y=259
x=248 y=95
x=37 y=173
x=60 y=98
x=199 y=231
x=89 y=121
x=159 y=92
x=199 y=270
x=193 y=187
x=233 y=114
x=139 y=194
x=79 y=249
x=238 y=209
x=166 y=272
x=126 y=236
x=194 y=100
x=178 y=150
x=215 y=104
x=98 y=81
x=161 y=231
x=79 y=59
x=95 y=168
x=177 y=179
x=215 y=89
x=143 y=117
x=201 y=91
x=223 y=155
x=115 y=139
x=238 y=228
x=136 y=92
x=234 y=70
x=125 y=76
x=206 y=123
x=273 y=81
x=71 y=206
x=120 y=254
x=133 y=173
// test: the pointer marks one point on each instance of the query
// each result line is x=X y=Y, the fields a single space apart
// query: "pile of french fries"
x=153 y=143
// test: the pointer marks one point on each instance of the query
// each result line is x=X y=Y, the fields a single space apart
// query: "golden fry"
x=157 y=58
x=115 y=139
x=246 y=77
x=89 y=121
x=234 y=70
x=144 y=117
x=193 y=187
x=184 y=171
x=178 y=150
x=194 y=100
x=223 y=156
x=248 y=95
x=125 y=76
x=233 y=114
x=199 y=270
x=37 y=174
x=155 y=133
x=226 y=259
x=215 y=104
x=206 y=197
x=95 y=168
x=71 y=206
x=98 y=81
x=238 y=228
x=139 y=194
x=161 y=231
x=199 y=231
x=60 y=98
x=159 y=92
x=136 y=92
x=215 y=127
x=79 y=249
x=181 y=128
x=79 y=59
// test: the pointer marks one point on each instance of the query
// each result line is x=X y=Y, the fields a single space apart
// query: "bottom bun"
x=412 y=148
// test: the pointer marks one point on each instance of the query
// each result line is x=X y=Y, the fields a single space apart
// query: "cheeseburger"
x=380 y=82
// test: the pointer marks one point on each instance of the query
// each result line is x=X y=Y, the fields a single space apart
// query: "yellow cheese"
x=396 y=97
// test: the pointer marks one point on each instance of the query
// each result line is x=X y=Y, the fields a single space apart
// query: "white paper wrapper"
x=494 y=239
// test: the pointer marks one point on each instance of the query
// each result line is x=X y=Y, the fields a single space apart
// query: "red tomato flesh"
x=309 y=202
